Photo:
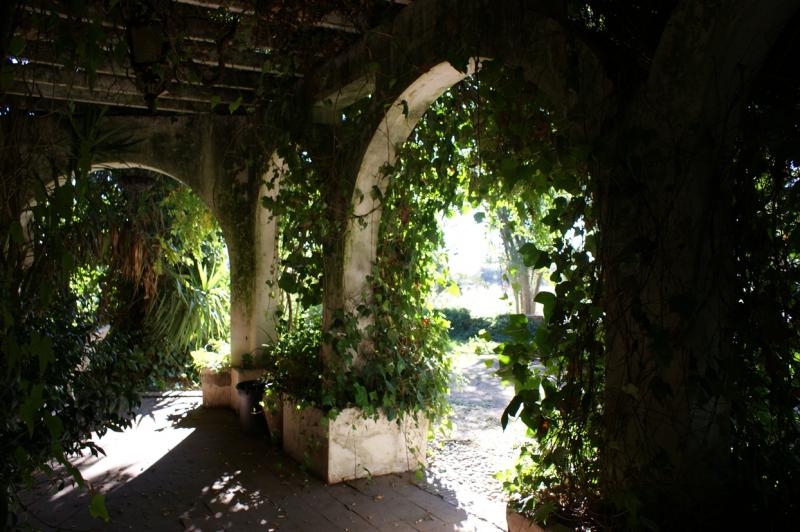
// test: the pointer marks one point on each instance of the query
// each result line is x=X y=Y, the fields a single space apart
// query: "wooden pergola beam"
x=59 y=83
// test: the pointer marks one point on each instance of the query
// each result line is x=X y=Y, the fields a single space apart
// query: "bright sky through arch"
x=469 y=245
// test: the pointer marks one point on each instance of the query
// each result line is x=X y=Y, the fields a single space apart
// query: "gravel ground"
x=462 y=464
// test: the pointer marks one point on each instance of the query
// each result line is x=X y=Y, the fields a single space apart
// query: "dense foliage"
x=762 y=374
x=109 y=280
x=292 y=363
x=401 y=343
x=464 y=326
x=60 y=381
x=520 y=161
x=159 y=270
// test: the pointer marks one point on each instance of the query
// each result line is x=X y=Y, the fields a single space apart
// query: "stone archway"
x=397 y=124
x=406 y=68
x=666 y=140
x=202 y=153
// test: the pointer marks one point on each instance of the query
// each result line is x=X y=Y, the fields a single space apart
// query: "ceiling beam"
x=60 y=83
x=41 y=93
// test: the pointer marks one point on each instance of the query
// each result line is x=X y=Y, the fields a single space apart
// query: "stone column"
x=254 y=270
x=253 y=252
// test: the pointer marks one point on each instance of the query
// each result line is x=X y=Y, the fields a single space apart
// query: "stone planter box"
x=216 y=388
x=350 y=446
x=519 y=523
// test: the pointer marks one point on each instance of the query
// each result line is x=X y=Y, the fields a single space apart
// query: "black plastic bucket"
x=251 y=414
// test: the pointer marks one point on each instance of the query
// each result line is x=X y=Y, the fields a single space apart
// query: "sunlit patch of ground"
x=463 y=462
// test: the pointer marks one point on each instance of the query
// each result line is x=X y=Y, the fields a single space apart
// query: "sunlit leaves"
x=97 y=507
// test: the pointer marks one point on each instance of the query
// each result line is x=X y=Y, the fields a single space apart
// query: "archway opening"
x=478 y=146
x=380 y=248
x=151 y=270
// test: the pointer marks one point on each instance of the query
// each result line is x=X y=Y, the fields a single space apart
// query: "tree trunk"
x=519 y=274
x=537 y=286
x=668 y=260
x=525 y=297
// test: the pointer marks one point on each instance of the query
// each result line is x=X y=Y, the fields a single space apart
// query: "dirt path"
x=464 y=462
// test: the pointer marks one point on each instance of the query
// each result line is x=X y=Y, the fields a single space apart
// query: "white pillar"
x=255 y=297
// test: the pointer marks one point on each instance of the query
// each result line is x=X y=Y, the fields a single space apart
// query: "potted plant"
x=292 y=369
x=215 y=376
x=334 y=426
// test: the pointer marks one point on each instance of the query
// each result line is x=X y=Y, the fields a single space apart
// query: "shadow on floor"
x=182 y=467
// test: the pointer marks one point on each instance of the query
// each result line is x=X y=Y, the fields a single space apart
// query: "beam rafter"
x=214 y=50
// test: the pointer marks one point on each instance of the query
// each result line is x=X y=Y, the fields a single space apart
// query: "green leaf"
x=234 y=105
x=511 y=410
x=43 y=349
x=479 y=217
x=530 y=255
x=453 y=289
x=517 y=328
x=631 y=390
x=543 y=511
x=32 y=403
x=362 y=399
x=97 y=507
x=54 y=426
x=404 y=105
x=16 y=46
x=459 y=59
x=548 y=301
x=16 y=232
x=543 y=260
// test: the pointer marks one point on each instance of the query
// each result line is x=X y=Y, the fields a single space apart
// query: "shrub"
x=216 y=356
x=293 y=364
x=464 y=326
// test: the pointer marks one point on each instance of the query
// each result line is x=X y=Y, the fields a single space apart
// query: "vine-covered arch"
x=204 y=154
x=402 y=84
x=397 y=124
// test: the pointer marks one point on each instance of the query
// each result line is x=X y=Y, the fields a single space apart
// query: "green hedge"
x=464 y=326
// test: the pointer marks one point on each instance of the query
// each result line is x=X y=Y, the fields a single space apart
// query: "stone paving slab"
x=182 y=467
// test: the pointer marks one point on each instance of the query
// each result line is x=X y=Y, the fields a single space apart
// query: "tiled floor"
x=182 y=467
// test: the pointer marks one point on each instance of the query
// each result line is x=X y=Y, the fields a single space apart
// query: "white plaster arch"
x=26 y=217
x=397 y=124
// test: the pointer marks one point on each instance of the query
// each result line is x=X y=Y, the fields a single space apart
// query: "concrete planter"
x=350 y=446
x=216 y=388
x=519 y=523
